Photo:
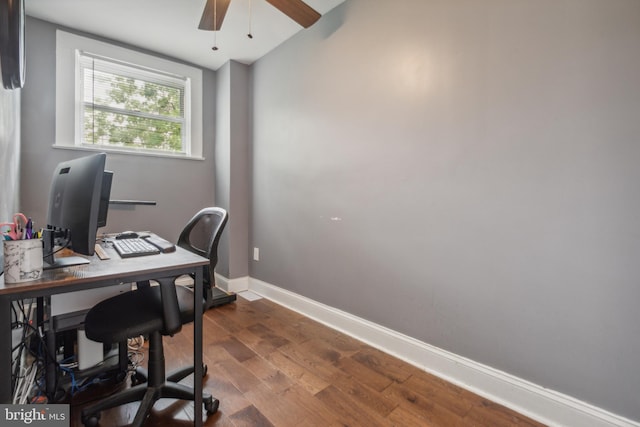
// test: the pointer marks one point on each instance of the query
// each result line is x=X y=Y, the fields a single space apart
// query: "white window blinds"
x=131 y=107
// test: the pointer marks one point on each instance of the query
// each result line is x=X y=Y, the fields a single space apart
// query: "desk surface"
x=100 y=272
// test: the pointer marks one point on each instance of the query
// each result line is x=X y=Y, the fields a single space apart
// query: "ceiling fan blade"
x=297 y=10
x=217 y=8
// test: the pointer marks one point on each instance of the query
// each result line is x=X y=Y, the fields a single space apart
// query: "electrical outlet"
x=256 y=254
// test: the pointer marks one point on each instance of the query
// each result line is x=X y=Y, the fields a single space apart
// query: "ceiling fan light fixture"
x=215 y=11
x=296 y=10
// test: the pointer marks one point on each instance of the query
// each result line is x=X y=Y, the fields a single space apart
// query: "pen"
x=28 y=232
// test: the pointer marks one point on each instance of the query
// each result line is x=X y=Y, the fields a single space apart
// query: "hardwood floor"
x=270 y=366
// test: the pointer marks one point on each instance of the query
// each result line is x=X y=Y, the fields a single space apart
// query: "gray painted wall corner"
x=233 y=135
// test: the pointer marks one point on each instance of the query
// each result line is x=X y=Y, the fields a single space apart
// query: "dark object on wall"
x=12 y=43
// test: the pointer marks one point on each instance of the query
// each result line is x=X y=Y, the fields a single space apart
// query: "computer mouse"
x=127 y=235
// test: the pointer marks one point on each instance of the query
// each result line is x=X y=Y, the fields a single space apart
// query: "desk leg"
x=197 y=347
x=5 y=349
x=50 y=363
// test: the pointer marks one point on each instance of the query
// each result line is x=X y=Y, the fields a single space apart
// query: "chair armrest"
x=170 y=306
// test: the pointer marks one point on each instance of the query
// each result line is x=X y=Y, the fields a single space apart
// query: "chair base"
x=147 y=396
x=141 y=375
x=218 y=297
x=157 y=386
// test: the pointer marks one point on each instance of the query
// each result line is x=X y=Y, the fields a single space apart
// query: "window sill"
x=104 y=149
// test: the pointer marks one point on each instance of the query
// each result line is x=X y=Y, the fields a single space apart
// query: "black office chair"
x=154 y=311
x=201 y=235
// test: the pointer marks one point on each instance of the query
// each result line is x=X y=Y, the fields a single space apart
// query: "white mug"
x=22 y=260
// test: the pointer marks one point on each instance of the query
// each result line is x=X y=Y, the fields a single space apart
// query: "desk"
x=98 y=273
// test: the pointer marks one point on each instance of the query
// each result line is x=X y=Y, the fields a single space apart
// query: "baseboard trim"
x=544 y=405
x=232 y=285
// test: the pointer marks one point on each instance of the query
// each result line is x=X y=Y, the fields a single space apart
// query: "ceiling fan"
x=299 y=11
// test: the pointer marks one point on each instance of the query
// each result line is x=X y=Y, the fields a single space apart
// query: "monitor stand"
x=51 y=262
x=66 y=261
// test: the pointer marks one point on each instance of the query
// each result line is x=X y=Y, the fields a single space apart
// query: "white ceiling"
x=171 y=26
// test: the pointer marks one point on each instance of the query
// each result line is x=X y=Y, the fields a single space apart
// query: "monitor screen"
x=75 y=207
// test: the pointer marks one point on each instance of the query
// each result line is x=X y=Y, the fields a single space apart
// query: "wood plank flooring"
x=270 y=366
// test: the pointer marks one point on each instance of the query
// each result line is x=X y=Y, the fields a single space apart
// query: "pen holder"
x=22 y=260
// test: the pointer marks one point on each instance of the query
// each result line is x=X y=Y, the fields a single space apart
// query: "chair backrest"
x=202 y=234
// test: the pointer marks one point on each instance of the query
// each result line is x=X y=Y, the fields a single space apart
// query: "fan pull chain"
x=215 y=22
x=250 y=35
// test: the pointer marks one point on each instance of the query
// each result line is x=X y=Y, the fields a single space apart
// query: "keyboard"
x=128 y=248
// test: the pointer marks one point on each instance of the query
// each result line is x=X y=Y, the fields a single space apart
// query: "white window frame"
x=69 y=104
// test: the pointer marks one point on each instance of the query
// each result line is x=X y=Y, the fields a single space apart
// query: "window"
x=126 y=106
x=114 y=99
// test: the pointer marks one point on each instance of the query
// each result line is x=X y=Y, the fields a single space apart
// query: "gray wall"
x=464 y=172
x=9 y=152
x=180 y=187
x=9 y=155
x=233 y=104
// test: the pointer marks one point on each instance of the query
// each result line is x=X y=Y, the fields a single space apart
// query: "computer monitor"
x=77 y=190
x=105 y=194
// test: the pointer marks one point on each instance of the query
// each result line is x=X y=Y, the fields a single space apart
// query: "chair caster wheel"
x=91 y=421
x=211 y=405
